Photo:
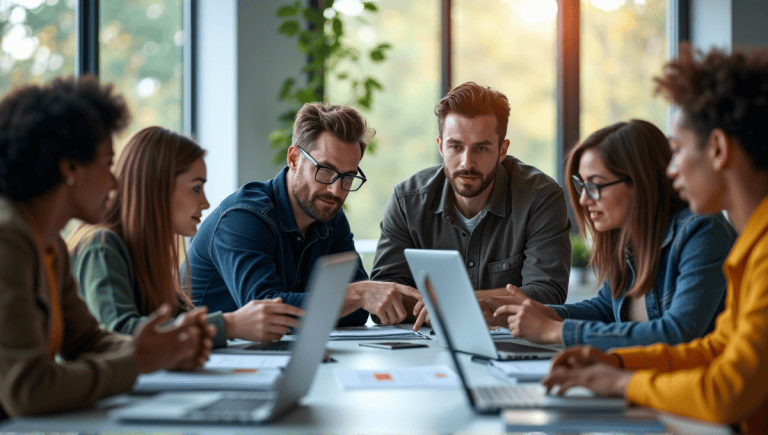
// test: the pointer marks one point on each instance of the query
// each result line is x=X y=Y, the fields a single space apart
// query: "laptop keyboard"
x=511 y=346
x=519 y=395
x=234 y=407
x=277 y=345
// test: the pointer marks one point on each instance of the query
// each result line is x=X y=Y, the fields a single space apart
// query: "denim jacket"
x=687 y=296
x=251 y=248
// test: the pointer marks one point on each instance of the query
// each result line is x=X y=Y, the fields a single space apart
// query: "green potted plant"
x=580 y=255
x=328 y=55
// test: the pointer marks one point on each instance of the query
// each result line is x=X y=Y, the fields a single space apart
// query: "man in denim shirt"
x=508 y=219
x=262 y=241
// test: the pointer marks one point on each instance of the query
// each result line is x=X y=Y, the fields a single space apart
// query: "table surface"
x=329 y=408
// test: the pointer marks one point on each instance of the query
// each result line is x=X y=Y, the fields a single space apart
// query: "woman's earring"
x=70 y=181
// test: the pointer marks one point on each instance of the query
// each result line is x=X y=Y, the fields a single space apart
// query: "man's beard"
x=306 y=204
x=469 y=192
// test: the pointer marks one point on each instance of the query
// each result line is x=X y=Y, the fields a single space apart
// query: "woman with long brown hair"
x=128 y=264
x=660 y=264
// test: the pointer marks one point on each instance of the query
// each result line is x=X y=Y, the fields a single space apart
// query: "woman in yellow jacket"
x=720 y=162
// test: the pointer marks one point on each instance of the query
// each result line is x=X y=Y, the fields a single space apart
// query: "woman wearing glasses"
x=661 y=265
x=128 y=264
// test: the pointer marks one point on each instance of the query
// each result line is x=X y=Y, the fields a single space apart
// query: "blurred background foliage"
x=329 y=54
x=506 y=44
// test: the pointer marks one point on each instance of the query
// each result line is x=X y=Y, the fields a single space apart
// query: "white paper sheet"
x=375 y=333
x=232 y=361
x=436 y=376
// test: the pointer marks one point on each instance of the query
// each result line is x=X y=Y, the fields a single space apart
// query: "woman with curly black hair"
x=55 y=160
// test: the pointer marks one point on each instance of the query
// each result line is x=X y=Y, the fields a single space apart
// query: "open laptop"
x=457 y=298
x=492 y=399
x=326 y=290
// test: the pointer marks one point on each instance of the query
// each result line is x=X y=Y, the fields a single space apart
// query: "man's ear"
x=439 y=146
x=292 y=158
x=503 y=150
x=720 y=149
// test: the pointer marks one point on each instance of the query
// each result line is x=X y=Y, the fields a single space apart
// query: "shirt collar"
x=753 y=232
x=285 y=211
x=497 y=201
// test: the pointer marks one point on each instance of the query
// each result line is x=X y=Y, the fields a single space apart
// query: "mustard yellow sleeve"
x=718 y=378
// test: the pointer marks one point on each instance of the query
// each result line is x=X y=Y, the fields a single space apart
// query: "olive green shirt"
x=103 y=268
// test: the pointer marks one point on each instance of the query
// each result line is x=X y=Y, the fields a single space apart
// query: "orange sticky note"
x=382 y=377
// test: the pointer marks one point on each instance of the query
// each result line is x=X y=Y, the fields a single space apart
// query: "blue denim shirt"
x=687 y=296
x=251 y=248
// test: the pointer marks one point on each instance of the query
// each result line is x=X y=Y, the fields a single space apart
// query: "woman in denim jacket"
x=661 y=265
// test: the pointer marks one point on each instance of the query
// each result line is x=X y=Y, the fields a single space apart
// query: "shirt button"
x=471 y=264
x=464 y=234
x=298 y=238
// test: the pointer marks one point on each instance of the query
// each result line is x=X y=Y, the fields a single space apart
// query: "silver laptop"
x=327 y=287
x=458 y=300
x=492 y=399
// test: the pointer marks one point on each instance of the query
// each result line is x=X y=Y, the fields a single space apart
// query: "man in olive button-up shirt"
x=508 y=220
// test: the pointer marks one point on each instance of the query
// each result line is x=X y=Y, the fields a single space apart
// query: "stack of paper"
x=221 y=372
x=524 y=371
x=376 y=333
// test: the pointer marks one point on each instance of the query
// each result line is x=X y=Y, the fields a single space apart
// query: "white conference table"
x=328 y=408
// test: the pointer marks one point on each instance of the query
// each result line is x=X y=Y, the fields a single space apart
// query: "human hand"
x=602 y=379
x=262 y=320
x=584 y=356
x=197 y=319
x=385 y=300
x=422 y=316
x=531 y=320
x=157 y=347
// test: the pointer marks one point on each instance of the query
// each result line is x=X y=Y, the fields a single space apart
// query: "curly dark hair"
x=42 y=124
x=721 y=90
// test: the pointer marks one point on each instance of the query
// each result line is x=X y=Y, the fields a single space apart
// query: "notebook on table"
x=457 y=298
x=492 y=399
x=327 y=287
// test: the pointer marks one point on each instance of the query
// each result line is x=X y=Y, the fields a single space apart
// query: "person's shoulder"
x=424 y=181
x=688 y=222
x=526 y=177
x=255 y=196
x=89 y=237
x=12 y=216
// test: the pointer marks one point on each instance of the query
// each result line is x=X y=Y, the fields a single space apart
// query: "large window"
x=37 y=41
x=623 y=45
x=510 y=46
x=403 y=114
x=140 y=51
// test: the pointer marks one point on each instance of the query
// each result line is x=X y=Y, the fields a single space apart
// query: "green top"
x=104 y=272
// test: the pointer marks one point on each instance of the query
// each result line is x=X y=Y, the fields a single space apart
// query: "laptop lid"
x=448 y=274
x=326 y=289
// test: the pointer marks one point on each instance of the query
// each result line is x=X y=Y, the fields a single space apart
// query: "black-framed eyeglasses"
x=593 y=190
x=326 y=175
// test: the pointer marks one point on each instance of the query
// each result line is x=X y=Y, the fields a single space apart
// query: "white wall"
x=729 y=23
x=242 y=61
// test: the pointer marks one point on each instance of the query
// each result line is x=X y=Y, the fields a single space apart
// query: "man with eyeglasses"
x=262 y=241
x=507 y=219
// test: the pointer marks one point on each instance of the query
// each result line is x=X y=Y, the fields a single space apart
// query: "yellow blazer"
x=720 y=377
x=93 y=364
